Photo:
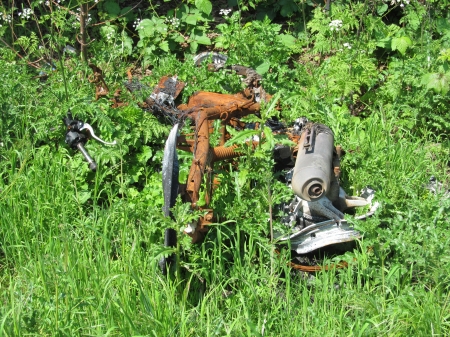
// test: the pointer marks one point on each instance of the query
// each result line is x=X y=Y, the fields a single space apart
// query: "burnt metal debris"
x=314 y=216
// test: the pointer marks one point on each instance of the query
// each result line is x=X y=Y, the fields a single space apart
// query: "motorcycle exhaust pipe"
x=313 y=168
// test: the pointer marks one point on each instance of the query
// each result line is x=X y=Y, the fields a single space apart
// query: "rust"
x=101 y=88
x=164 y=84
x=312 y=269
x=337 y=161
x=202 y=226
x=129 y=75
x=223 y=153
x=201 y=155
x=117 y=102
x=203 y=108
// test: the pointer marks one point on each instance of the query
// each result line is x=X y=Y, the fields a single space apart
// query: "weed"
x=79 y=250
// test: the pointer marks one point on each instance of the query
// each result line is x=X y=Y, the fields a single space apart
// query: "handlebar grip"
x=91 y=162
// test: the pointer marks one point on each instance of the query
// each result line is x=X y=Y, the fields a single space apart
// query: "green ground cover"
x=79 y=250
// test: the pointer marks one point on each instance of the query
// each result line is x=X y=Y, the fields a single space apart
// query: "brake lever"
x=86 y=126
x=76 y=139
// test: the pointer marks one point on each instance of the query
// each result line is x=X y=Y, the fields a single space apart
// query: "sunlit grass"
x=79 y=250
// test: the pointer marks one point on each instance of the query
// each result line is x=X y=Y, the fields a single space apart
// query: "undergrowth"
x=79 y=250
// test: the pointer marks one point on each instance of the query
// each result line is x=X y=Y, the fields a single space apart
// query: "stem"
x=64 y=76
x=83 y=20
x=269 y=196
x=304 y=19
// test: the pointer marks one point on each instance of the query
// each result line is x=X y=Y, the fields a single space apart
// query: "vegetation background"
x=79 y=250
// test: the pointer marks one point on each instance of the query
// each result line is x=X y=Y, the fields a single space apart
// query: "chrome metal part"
x=86 y=126
x=91 y=162
x=217 y=59
x=170 y=171
x=313 y=167
x=320 y=235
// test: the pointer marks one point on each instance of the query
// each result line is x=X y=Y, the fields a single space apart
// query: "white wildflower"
x=175 y=22
x=136 y=23
x=225 y=11
x=401 y=3
x=110 y=35
x=335 y=25
x=26 y=14
x=5 y=17
x=347 y=45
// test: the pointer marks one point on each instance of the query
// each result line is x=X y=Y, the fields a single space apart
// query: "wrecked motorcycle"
x=315 y=215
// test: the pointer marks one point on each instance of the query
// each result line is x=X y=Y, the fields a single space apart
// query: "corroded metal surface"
x=319 y=200
x=101 y=88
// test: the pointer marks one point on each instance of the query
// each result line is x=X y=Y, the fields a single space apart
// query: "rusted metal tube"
x=313 y=167
x=223 y=153
x=200 y=159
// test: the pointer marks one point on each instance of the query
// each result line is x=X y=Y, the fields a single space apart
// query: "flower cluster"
x=48 y=2
x=5 y=17
x=225 y=11
x=109 y=35
x=25 y=14
x=401 y=3
x=136 y=23
x=335 y=25
x=76 y=24
x=175 y=22
x=347 y=45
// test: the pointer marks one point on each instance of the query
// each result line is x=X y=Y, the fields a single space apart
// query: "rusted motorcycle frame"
x=314 y=177
x=203 y=109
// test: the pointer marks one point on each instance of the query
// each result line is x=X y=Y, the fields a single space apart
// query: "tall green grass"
x=74 y=269
x=79 y=256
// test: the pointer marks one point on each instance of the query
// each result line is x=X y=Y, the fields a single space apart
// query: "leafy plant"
x=79 y=250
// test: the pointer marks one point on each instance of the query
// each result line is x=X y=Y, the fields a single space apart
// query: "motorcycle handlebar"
x=91 y=162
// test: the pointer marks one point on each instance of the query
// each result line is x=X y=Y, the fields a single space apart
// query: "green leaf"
x=439 y=82
x=401 y=44
x=442 y=25
x=242 y=137
x=287 y=39
x=382 y=9
x=132 y=193
x=384 y=43
x=83 y=196
x=145 y=155
x=127 y=44
x=164 y=45
x=146 y=28
x=262 y=68
x=204 y=5
x=193 y=46
x=149 y=50
x=269 y=142
x=288 y=7
x=191 y=20
x=201 y=38
x=242 y=177
x=112 y=8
